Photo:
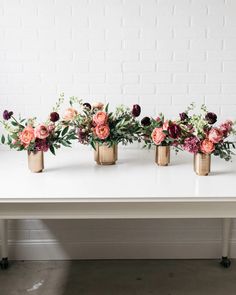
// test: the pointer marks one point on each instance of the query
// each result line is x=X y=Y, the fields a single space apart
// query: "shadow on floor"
x=118 y=277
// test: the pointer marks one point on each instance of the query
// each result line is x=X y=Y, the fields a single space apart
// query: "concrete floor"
x=118 y=277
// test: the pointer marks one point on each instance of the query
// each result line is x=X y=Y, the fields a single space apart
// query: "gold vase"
x=105 y=155
x=163 y=155
x=35 y=161
x=202 y=164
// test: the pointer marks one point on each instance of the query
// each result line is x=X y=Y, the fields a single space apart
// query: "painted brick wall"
x=163 y=54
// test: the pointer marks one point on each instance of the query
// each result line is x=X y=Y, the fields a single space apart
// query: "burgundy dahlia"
x=174 y=131
x=146 y=121
x=54 y=117
x=87 y=105
x=136 y=110
x=7 y=115
x=191 y=144
x=41 y=145
x=183 y=116
x=211 y=118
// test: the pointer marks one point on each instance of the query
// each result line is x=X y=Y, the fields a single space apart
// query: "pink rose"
x=100 y=118
x=27 y=135
x=158 y=136
x=41 y=131
x=226 y=127
x=70 y=114
x=102 y=131
x=215 y=135
x=98 y=105
x=165 y=125
x=207 y=146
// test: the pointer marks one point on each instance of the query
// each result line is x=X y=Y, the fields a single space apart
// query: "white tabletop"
x=73 y=176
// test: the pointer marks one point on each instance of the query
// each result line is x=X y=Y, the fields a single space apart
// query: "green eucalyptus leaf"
x=3 y=139
x=52 y=150
x=14 y=123
x=65 y=130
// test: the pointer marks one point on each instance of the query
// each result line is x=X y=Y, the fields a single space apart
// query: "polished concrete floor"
x=119 y=277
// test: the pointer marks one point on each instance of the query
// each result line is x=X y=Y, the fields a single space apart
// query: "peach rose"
x=102 y=131
x=41 y=131
x=27 y=135
x=158 y=136
x=98 y=105
x=100 y=118
x=207 y=146
x=215 y=135
x=70 y=114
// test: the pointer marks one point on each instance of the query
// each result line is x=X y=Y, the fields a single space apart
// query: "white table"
x=73 y=186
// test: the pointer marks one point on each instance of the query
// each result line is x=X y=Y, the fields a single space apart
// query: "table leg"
x=225 y=262
x=4 y=242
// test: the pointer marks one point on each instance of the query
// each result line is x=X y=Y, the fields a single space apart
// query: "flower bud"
x=7 y=115
x=87 y=105
x=54 y=117
x=136 y=110
x=146 y=121
x=211 y=118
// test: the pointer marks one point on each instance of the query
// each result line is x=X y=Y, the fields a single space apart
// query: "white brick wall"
x=114 y=49
x=161 y=53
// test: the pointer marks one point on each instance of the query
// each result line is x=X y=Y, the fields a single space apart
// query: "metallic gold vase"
x=105 y=155
x=162 y=155
x=35 y=161
x=202 y=164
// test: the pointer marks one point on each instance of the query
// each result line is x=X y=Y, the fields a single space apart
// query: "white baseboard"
x=52 y=250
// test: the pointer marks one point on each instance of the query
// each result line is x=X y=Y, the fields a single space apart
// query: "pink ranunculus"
x=70 y=114
x=166 y=125
x=27 y=135
x=41 y=131
x=98 y=105
x=215 y=135
x=102 y=131
x=226 y=127
x=100 y=118
x=207 y=146
x=158 y=136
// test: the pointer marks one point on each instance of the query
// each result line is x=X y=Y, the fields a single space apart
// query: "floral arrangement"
x=26 y=134
x=161 y=132
x=95 y=124
x=202 y=136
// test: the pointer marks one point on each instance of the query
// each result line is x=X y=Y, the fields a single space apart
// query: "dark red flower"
x=7 y=115
x=41 y=145
x=211 y=118
x=146 y=121
x=87 y=105
x=136 y=110
x=174 y=131
x=183 y=116
x=54 y=117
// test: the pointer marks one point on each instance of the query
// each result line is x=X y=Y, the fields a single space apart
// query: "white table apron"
x=73 y=187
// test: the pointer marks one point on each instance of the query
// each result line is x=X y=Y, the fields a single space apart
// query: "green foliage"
x=3 y=139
